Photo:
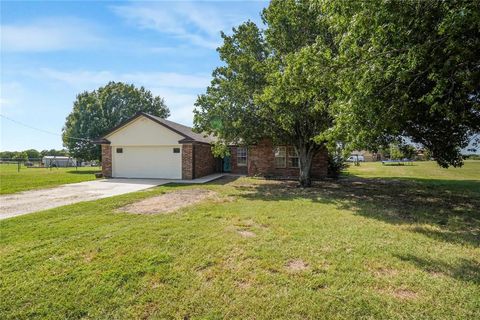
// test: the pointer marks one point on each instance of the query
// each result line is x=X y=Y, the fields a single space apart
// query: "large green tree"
x=95 y=113
x=409 y=69
x=276 y=83
x=366 y=73
x=32 y=154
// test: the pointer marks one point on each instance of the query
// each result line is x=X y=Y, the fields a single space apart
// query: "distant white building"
x=58 y=161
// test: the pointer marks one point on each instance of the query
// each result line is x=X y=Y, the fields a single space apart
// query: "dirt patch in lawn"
x=169 y=202
x=404 y=294
x=400 y=294
x=244 y=284
x=296 y=265
x=246 y=233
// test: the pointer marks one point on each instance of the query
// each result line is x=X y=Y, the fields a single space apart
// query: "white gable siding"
x=144 y=132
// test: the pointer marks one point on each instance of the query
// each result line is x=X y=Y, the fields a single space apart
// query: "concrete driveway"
x=36 y=200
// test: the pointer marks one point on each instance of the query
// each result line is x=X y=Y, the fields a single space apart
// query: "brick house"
x=276 y=161
x=146 y=146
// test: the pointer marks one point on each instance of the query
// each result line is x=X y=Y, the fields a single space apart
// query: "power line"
x=41 y=130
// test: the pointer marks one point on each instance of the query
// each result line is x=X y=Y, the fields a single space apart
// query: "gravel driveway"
x=36 y=200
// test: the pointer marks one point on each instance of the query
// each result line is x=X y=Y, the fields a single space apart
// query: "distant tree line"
x=31 y=154
x=472 y=156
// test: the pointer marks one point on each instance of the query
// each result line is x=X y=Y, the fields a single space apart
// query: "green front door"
x=227 y=164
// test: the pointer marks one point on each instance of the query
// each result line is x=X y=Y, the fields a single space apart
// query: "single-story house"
x=147 y=146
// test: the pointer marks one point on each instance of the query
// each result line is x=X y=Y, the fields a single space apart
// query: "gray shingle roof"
x=185 y=131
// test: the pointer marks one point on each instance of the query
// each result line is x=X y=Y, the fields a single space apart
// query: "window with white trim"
x=293 y=158
x=241 y=156
x=280 y=157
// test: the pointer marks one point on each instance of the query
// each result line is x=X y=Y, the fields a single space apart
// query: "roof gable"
x=186 y=133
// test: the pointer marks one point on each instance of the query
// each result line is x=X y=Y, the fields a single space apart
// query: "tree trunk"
x=305 y=157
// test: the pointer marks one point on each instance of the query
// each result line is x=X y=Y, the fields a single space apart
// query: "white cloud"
x=85 y=79
x=199 y=23
x=52 y=34
x=179 y=90
x=11 y=97
x=79 y=79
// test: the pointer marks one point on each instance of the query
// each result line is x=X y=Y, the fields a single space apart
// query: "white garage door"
x=147 y=162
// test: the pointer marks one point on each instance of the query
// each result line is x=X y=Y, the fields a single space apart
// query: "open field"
x=419 y=170
x=367 y=246
x=12 y=181
x=428 y=173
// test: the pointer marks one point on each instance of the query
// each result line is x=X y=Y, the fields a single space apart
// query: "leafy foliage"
x=336 y=164
x=22 y=156
x=95 y=113
x=367 y=73
x=275 y=84
x=411 y=69
x=395 y=152
x=32 y=154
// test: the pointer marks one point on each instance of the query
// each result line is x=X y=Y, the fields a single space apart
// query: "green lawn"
x=365 y=247
x=427 y=173
x=12 y=181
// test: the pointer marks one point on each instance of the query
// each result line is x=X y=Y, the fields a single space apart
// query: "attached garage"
x=146 y=146
x=147 y=162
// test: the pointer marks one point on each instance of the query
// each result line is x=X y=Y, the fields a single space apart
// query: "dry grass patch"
x=244 y=284
x=297 y=265
x=246 y=233
x=378 y=269
x=404 y=294
x=169 y=202
x=400 y=293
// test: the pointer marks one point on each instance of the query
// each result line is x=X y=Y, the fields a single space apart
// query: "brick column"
x=106 y=160
x=204 y=161
x=187 y=161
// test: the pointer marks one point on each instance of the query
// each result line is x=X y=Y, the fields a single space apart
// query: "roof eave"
x=184 y=141
x=101 y=141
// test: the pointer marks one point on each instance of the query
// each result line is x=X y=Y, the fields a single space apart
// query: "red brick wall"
x=205 y=162
x=261 y=162
x=106 y=160
x=187 y=161
x=320 y=165
x=197 y=161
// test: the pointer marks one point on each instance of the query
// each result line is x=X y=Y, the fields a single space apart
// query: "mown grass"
x=465 y=178
x=12 y=181
x=372 y=248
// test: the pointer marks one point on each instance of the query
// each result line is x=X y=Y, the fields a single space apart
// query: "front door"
x=227 y=164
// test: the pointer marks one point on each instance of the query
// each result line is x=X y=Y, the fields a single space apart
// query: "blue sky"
x=53 y=50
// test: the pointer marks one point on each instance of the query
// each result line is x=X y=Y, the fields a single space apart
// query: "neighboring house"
x=147 y=146
x=58 y=161
x=367 y=155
